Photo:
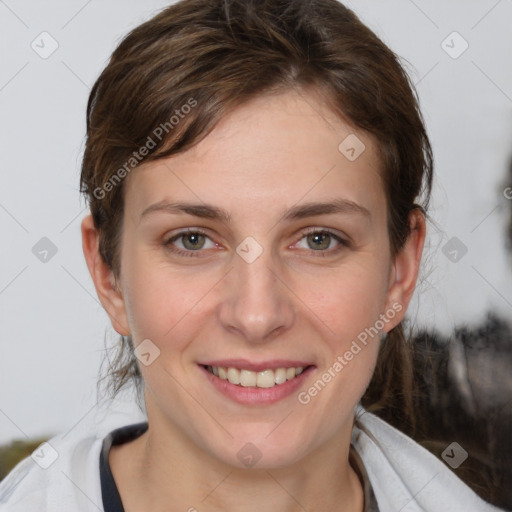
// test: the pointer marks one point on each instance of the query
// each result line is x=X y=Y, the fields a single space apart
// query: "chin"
x=263 y=450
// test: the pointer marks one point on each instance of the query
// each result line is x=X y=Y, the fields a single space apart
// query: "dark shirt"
x=110 y=494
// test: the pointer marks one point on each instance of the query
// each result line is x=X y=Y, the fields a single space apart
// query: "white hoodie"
x=404 y=476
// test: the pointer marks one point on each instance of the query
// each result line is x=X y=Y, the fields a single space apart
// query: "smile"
x=254 y=384
x=264 y=379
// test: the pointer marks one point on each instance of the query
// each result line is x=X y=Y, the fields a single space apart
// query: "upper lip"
x=245 y=364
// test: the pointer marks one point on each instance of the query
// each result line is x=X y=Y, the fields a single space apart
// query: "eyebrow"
x=206 y=211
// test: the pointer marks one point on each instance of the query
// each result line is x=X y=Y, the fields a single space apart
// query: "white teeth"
x=265 y=379
x=280 y=376
x=247 y=378
x=233 y=376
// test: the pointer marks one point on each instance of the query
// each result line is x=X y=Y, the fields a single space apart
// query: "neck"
x=164 y=466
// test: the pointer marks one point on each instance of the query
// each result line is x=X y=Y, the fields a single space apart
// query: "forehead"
x=284 y=148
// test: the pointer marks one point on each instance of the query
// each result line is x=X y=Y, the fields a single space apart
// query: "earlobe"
x=405 y=269
x=103 y=277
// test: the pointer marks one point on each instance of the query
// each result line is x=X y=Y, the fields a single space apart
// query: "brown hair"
x=214 y=55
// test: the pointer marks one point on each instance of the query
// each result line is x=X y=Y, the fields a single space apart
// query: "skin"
x=265 y=157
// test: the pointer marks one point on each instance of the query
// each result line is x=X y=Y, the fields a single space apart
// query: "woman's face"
x=291 y=268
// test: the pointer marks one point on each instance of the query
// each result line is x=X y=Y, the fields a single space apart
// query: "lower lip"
x=257 y=396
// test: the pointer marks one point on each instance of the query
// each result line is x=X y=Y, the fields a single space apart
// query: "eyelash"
x=197 y=231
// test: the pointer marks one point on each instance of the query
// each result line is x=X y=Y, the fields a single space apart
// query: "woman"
x=254 y=173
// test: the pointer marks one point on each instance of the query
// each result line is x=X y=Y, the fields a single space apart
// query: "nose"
x=256 y=305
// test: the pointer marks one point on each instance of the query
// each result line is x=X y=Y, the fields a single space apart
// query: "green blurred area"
x=14 y=452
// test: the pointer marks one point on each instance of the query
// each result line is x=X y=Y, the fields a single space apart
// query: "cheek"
x=348 y=304
x=163 y=302
x=350 y=308
x=157 y=304
x=346 y=300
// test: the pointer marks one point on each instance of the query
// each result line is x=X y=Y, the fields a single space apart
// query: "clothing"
x=110 y=494
x=403 y=475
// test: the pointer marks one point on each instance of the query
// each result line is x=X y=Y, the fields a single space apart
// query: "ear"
x=405 y=268
x=103 y=277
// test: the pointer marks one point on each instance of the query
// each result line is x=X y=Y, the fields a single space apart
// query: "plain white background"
x=52 y=326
